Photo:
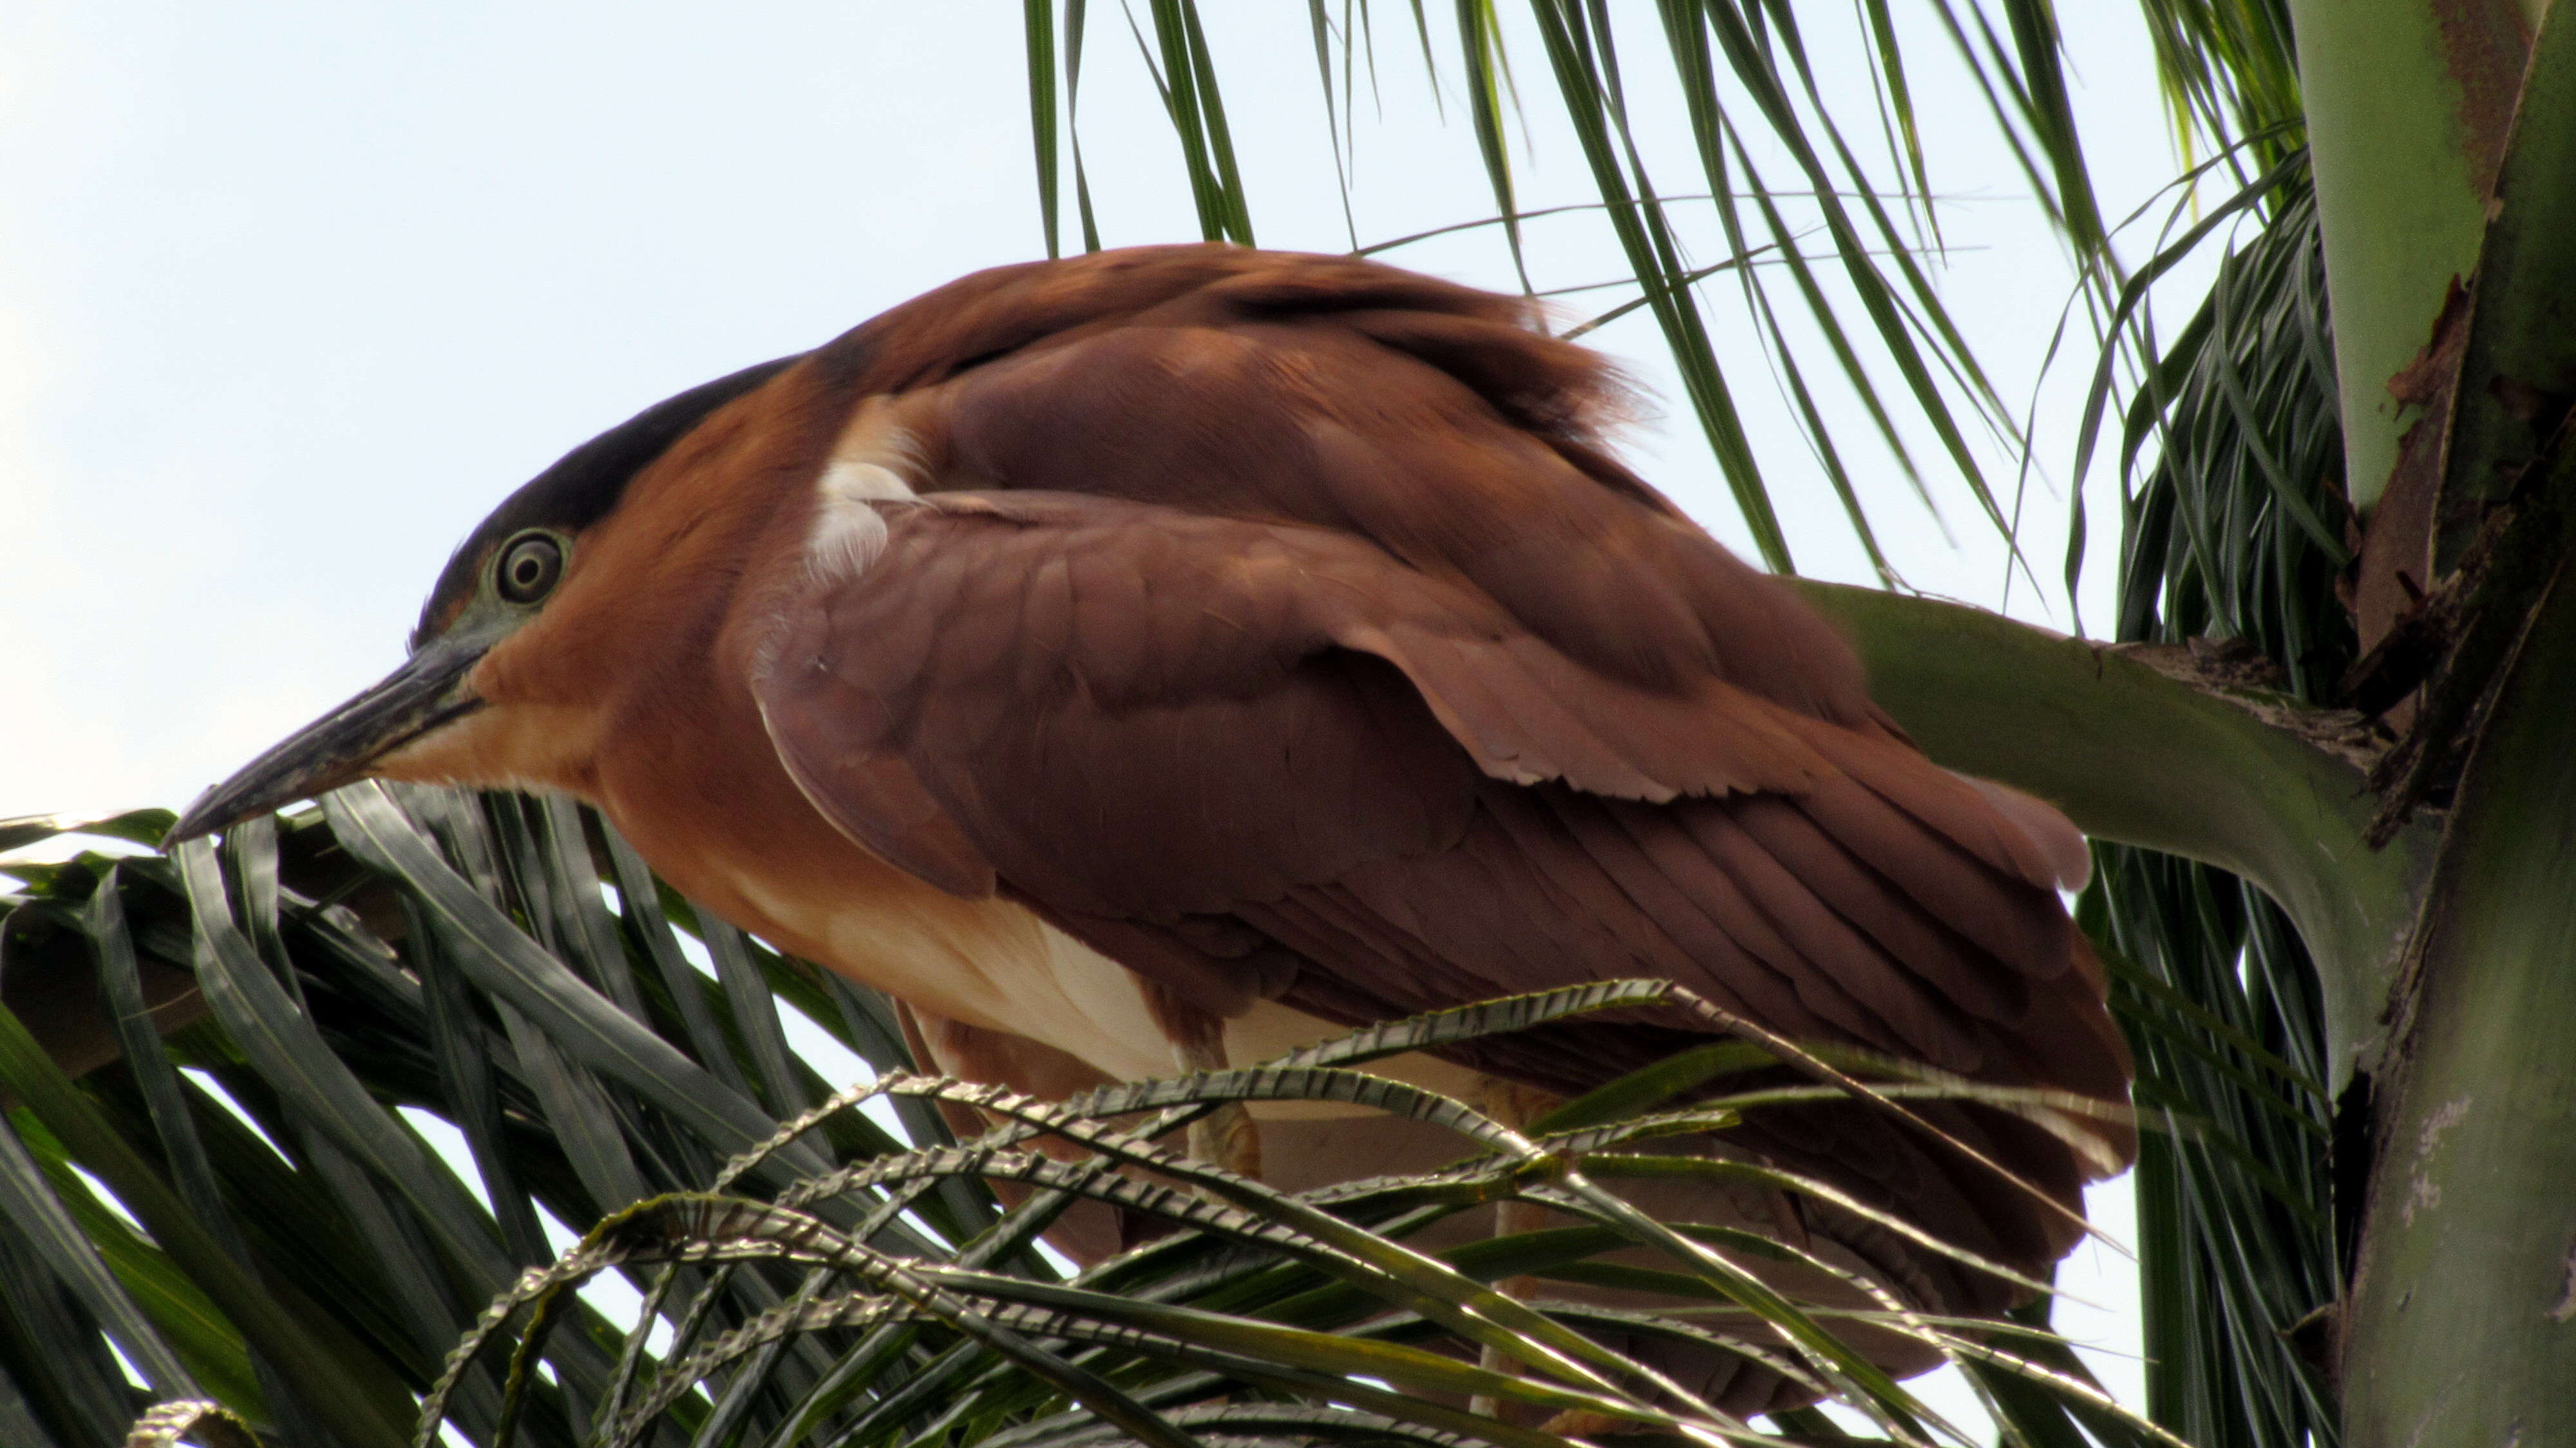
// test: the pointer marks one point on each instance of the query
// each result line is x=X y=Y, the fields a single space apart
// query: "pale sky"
x=291 y=294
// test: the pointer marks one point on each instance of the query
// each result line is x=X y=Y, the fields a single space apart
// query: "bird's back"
x=1283 y=629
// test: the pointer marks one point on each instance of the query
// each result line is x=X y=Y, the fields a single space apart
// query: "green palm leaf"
x=307 y=1262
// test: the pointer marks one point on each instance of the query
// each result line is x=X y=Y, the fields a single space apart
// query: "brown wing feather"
x=1290 y=635
x=1428 y=417
x=1284 y=775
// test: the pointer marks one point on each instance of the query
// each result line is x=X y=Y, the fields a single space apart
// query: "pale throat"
x=502 y=746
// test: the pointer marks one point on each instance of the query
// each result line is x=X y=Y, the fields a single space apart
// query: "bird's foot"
x=1228 y=1139
x=1585 y=1423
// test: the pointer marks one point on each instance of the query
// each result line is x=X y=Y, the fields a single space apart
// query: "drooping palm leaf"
x=497 y=972
x=1303 y=1301
x=2234 y=526
x=274 y=1153
x=1744 y=72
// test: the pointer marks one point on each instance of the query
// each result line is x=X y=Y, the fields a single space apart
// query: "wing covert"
x=1203 y=743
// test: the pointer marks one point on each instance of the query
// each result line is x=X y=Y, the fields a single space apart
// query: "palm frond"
x=2233 y=520
x=1301 y=1301
x=2230 y=73
x=2234 y=1197
x=439 y=1025
x=1865 y=321
x=2233 y=516
x=2233 y=525
x=431 y=1035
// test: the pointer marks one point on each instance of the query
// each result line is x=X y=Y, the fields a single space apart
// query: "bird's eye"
x=528 y=567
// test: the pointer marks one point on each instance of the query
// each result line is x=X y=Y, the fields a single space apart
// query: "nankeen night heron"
x=1171 y=656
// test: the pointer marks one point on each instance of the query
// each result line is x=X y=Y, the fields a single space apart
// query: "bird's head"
x=564 y=613
x=461 y=708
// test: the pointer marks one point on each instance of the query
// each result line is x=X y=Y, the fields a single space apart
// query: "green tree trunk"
x=2444 y=153
x=2407 y=105
x=2460 y=1324
x=2445 y=158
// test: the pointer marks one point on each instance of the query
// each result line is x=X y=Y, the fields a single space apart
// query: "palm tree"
x=2323 y=757
x=2345 y=467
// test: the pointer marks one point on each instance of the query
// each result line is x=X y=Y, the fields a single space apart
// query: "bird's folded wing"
x=1287 y=629
x=1205 y=740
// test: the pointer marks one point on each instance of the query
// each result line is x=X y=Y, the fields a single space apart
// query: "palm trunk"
x=2444 y=134
x=2407 y=105
x=2444 y=148
x=2460 y=1324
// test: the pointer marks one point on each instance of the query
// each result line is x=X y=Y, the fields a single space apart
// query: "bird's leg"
x=1512 y=1105
x=1225 y=1137
x=1516 y=1106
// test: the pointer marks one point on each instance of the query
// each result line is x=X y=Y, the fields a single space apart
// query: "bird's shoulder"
x=1437 y=422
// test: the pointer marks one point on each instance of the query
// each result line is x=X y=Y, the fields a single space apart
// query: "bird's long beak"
x=427 y=691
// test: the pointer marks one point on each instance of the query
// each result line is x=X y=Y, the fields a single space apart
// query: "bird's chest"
x=774 y=867
x=994 y=964
x=987 y=963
